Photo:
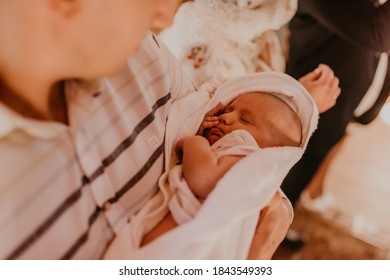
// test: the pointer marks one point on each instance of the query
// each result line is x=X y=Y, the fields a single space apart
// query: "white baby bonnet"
x=281 y=85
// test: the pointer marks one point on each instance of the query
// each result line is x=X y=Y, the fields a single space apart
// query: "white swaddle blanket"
x=224 y=226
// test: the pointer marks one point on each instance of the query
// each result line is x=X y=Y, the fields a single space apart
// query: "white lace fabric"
x=223 y=39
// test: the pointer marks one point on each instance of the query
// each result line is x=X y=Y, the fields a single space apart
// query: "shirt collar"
x=11 y=120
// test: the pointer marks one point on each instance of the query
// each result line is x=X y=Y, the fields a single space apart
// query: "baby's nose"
x=227 y=118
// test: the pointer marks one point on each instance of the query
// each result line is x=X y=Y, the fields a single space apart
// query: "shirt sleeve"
x=361 y=22
x=181 y=85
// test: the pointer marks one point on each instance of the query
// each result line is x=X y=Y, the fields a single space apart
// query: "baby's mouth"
x=216 y=131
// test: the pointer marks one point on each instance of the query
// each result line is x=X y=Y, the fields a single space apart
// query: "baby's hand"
x=210 y=119
x=323 y=86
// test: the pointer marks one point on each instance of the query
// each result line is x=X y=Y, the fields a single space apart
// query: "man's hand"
x=274 y=221
x=323 y=86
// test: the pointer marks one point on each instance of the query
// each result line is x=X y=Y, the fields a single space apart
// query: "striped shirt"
x=66 y=191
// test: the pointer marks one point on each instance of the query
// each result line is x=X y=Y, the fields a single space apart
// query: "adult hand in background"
x=323 y=86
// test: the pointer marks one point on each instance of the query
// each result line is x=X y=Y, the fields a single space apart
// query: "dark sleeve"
x=360 y=22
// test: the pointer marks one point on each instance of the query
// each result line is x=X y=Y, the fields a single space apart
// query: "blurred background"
x=358 y=226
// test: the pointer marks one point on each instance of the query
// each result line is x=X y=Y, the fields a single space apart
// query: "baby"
x=250 y=122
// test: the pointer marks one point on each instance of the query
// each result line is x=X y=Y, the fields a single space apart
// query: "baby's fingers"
x=214 y=111
x=209 y=122
x=210 y=118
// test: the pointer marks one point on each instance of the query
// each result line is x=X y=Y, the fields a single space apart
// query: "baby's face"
x=267 y=118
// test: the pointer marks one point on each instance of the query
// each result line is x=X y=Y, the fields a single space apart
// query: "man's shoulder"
x=150 y=48
x=145 y=71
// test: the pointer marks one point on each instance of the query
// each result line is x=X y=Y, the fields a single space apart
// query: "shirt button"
x=106 y=206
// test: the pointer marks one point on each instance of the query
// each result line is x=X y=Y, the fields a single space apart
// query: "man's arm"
x=181 y=85
x=274 y=221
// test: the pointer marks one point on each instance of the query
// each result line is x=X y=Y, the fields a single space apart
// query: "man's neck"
x=50 y=106
x=57 y=103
